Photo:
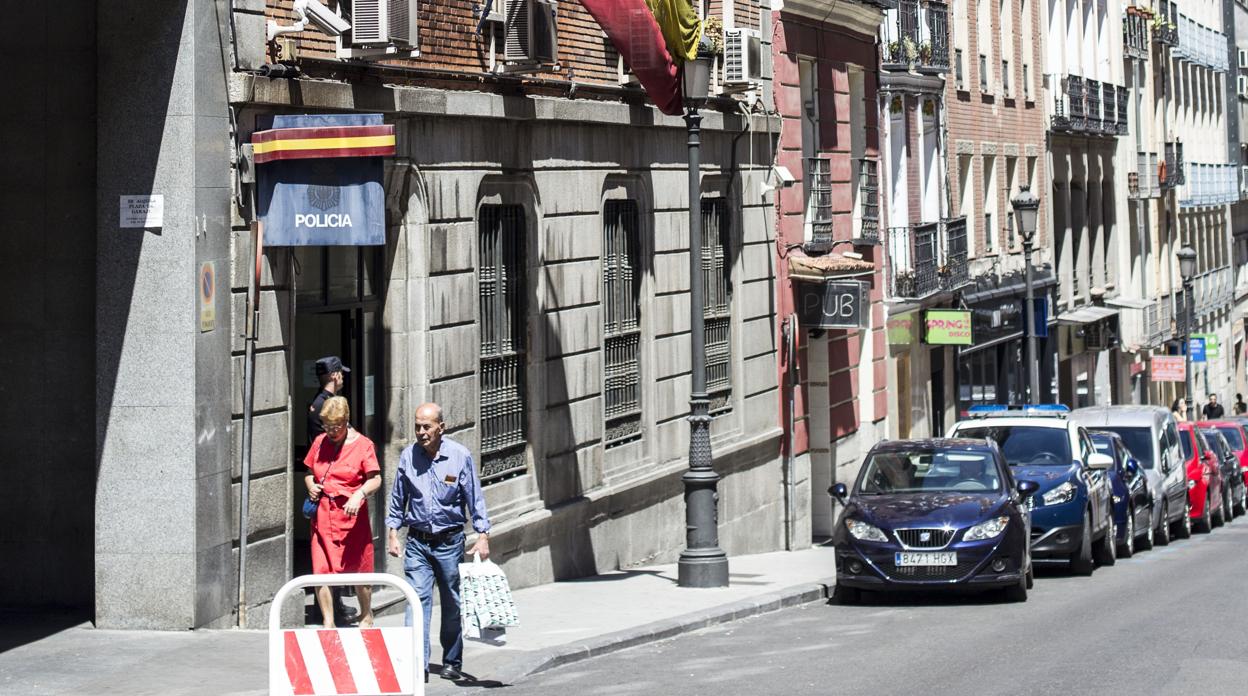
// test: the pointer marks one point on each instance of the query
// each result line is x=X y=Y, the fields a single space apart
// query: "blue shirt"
x=430 y=492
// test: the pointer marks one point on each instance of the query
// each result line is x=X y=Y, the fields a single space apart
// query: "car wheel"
x=1241 y=507
x=1205 y=524
x=1018 y=591
x=1107 y=550
x=1149 y=538
x=1127 y=549
x=1184 y=529
x=1228 y=506
x=1162 y=537
x=848 y=595
x=1081 y=562
x=1031 y=576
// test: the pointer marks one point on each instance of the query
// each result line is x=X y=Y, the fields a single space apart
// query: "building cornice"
x=859 y=17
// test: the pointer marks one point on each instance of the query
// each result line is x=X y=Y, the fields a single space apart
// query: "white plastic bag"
x=485 y=602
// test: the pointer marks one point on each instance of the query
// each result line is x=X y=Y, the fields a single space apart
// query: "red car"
x=1237 y=436
x=1204 y=479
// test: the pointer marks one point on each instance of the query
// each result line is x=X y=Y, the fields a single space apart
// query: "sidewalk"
x=560 y=623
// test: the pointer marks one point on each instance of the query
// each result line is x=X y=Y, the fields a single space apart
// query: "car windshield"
x=1139 y=441
x=1025 y=445
x=929 y=471
x=1234 y=437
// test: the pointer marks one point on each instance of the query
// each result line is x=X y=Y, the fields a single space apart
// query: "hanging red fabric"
x=636 y=35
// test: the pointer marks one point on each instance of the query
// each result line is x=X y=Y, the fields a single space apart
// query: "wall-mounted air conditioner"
x=743 y=59
x=379 y=28
x=531 y=32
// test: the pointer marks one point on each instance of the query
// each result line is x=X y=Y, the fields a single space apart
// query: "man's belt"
x=427 y=536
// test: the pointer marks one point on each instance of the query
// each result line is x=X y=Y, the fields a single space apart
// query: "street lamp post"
x=1026 y=208
x=702 y=563
x=1187 y=269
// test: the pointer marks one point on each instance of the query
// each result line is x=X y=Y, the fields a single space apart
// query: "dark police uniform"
x=314 y=415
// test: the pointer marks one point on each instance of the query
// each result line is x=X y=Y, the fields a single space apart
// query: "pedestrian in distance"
x=1213 y=409
x=342 y=472
x=435 y=482
x=1179 y=409
x=331 y=374
x=1239 y=408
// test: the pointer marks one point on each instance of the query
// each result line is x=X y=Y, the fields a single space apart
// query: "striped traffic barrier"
x=373 y=661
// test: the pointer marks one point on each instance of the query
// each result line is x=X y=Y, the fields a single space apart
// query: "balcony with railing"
x=1090 y=107
x=1213 y=290
x=916 y=35
x=1135 y=32
x=927 y=258
x=1174 y=166
x=1165 y=24
x=1143 y=182
x=1201 y=45
x=1209 y=184
x=868 y=200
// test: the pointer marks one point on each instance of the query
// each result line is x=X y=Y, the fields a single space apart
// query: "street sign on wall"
x=1197 y=348
x=833 y=304
x=1211 y=345
x=948 y=327
x=1167 y=368
x=902 y=329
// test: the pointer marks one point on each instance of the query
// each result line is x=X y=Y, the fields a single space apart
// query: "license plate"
x=909 y=558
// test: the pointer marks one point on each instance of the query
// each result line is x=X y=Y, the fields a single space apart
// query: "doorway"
x=337 y=312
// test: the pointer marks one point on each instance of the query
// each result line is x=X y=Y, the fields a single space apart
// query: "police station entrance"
x=337 y=312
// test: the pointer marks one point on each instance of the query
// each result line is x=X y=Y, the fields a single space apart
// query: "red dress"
x=341 y=543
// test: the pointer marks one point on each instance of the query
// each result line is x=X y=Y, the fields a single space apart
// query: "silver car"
x=1152 y=435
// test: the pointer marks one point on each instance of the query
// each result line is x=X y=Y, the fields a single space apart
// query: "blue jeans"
x=423 y=564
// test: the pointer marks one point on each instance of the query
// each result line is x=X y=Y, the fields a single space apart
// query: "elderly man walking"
x=435 y=482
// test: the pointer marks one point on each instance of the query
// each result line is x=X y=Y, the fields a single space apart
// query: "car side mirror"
x=839 y=491
x=1100 y=461
x=1027 y=488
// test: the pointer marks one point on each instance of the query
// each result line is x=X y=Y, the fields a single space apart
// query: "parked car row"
x=1006 y=486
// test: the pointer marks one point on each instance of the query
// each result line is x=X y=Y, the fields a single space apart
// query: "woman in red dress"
x=343 y=471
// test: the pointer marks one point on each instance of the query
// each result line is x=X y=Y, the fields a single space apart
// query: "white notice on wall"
x=143 y=212
x=370 y=384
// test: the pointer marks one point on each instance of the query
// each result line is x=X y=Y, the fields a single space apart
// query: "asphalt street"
x=1173 y=620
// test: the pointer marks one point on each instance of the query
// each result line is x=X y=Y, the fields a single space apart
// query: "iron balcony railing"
x=1165 y=24
x=819 y=203
x=1121 y=101
x=916 y=34
x=927 y=258
x=1174 y=166
x=868 y=199
x=1089 y=107
x=1092 y=105
x=1135 y=34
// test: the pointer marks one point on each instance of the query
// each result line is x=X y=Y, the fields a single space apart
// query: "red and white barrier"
x=375 y=661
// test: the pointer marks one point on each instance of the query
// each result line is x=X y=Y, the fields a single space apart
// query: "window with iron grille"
x=621 y=311
x=717 y=303
x=501 y=283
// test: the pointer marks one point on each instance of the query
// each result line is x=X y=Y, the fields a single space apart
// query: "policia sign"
x=319 y=179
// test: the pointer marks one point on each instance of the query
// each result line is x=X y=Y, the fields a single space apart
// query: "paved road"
x=1169 y=621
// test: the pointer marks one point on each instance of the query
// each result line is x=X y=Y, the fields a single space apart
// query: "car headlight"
x=987 y=530
x=864 y=532
x=1060 y=494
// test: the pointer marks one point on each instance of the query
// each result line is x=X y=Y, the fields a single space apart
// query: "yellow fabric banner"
x=682 y=30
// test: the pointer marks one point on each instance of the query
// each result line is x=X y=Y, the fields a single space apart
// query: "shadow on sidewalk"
x=18 y=628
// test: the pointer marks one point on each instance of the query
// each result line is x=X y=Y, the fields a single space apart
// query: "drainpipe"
x=249 y=394
x=790 y=356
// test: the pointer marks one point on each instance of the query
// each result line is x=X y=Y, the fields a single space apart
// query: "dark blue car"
x=1132 y=497
x=933 y=514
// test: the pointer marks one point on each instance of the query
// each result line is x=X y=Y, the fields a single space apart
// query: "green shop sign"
x=947 y=327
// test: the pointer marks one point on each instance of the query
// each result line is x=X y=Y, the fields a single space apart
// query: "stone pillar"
x=162 y=512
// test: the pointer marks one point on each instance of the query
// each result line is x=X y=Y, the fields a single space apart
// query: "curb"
x=569 y=653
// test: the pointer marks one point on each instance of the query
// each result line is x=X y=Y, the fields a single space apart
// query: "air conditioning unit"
x=531 y=32
x=743 y=55
x=378 y=28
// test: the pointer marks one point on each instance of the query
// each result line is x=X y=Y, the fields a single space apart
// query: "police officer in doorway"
x=331 y=373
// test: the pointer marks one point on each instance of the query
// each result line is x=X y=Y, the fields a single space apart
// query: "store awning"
x=1086 y=315
x=828 y=266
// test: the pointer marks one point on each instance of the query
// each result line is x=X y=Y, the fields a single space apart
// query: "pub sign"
x=833 y=304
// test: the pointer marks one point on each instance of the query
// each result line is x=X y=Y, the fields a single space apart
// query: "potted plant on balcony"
x=912 y=50
x=925 y=53
x=893 y=52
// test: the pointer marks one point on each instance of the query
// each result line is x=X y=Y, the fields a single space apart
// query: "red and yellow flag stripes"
x=311 y=143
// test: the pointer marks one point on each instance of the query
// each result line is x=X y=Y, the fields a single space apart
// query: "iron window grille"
x=621 y=322
x=501 y=287
x=717 y=303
